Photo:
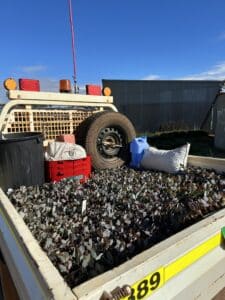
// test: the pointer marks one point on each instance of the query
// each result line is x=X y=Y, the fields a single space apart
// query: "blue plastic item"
x=137 y=147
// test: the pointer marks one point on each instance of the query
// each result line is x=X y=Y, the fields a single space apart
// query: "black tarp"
x=161 y=105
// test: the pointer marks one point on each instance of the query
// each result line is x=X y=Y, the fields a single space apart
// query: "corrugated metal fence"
x=161 y=105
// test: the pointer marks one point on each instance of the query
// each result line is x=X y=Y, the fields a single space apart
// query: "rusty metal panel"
x=160 y=105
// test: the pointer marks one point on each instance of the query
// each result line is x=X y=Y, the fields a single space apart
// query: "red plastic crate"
x=83 y=166
x=29 y=85
x=57 y=170
x=93 y=90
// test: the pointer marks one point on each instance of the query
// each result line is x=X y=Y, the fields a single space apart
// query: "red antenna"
x=73 y=47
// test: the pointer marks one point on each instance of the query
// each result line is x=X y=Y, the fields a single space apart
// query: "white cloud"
x=151 y=77
x=49 y=85
x=82 y=89
x=216 y=72
x=33 y=69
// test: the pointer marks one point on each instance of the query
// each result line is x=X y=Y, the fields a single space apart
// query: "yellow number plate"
x=146 y=286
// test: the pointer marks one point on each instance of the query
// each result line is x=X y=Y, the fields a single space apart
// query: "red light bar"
x=93 y=90
x=29 y=85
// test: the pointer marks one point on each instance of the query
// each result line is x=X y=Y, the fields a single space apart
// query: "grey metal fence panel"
x=154 y=105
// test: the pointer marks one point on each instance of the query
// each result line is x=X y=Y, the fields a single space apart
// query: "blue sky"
x=117 y=39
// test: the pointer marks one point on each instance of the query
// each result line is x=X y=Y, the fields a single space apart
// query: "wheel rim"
x=110 y=141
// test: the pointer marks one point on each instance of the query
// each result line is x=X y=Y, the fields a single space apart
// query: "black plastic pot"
x=21 y=160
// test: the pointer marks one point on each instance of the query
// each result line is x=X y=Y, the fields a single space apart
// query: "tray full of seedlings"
x=88 y=229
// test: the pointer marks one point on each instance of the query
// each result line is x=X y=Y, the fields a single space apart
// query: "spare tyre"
x=106 y=137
